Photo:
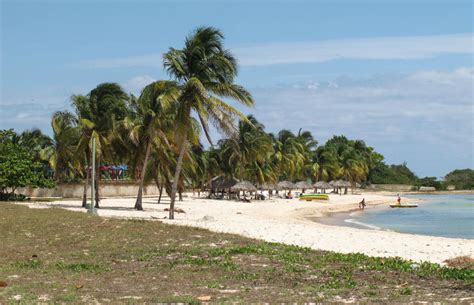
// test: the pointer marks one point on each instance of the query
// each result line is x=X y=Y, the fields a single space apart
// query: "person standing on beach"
x=399 y=200
x=362 y=204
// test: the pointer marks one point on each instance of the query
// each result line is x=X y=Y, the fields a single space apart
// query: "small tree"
x=17 y=167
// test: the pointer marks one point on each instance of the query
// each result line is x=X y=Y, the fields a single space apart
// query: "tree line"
x=158 y=134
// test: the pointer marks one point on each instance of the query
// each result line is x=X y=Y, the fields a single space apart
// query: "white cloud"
x=425 y=117
x=409 y=47
x=406 y=47
x=137 y=83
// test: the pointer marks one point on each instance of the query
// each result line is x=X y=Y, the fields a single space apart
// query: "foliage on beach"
x=58 y=256
x=18 y=167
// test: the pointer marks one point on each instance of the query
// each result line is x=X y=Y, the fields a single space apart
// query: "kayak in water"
x=408 y=205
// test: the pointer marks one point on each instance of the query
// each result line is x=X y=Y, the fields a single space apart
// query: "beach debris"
x=208 y=218
x=414 y=266
x=204 y=298
x=3 y=284
x=177 y=210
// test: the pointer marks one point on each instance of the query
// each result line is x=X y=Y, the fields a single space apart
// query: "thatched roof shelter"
x=331 y=183
x=286 y=185
x=220 y=183
x=322 y=185
x=303 y=185
x=346 y=184
x=269 y=186
x=341 y=183
x=244 y=186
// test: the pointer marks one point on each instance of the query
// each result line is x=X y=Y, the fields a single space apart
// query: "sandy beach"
x=287 y=221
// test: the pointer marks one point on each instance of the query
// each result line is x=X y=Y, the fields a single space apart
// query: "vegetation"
x=18 y=167
x=158 y=136
x=59 y=256
x=462 y=179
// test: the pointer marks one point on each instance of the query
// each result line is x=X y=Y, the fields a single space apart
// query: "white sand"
x=285 y=221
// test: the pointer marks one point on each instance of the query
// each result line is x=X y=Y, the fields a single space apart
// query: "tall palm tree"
x=60 y=154
x=98 y=114
x=149 y=122
x=205 y=71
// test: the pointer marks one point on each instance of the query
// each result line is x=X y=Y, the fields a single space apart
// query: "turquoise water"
x=442 y=215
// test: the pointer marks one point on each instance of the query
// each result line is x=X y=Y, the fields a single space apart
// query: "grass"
x=58 y=256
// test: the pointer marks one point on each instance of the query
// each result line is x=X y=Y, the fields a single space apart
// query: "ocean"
x=441 y=215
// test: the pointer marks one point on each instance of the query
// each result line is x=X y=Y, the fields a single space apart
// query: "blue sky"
x=397 y=74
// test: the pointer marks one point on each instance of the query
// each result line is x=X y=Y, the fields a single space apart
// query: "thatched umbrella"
x=286 y=185
x=342 y=184
x=346 y=185
x=221 y=184
x=303 y=185
x=323 y=185
x=268 y=186
x=244 y=186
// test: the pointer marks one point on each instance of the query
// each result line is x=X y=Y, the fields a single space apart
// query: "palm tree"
x=290 y=153
x=98 y=114
x=60 y=154
x=248 y=151
x=205 y=71
x=148 y=124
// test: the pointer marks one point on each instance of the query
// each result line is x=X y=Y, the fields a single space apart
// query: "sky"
x=397 y=74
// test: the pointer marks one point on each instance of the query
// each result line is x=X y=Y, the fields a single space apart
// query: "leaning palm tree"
x=205 y=71
x=147 y=125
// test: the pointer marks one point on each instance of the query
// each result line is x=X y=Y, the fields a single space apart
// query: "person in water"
x=362 y=204
x=399 y=200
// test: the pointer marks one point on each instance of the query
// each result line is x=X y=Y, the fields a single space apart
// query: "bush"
x=18 y=168
x=13 y=197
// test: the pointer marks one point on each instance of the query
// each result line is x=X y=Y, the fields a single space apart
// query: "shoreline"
x=285 y=221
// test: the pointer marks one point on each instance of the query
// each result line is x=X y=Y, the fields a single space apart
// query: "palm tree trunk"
x=161 y=192
x=138 y=203
x=174 y=188
x=97 y=177
x=84 y=194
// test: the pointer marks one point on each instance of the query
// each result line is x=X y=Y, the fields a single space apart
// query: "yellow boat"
x=310 y=197
x=408 y=205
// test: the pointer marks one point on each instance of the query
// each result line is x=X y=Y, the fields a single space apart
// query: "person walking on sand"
x=362 y=204
x=399 y=200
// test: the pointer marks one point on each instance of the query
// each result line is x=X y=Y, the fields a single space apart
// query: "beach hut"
x=243 y=186
x=323 y=185
x=270 y=187
x=222 y=184
x=286 y=185
x=340 y=184
x=303 y=185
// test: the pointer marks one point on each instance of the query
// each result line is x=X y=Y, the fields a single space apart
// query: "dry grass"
x=54 y=255
x=461 y=262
